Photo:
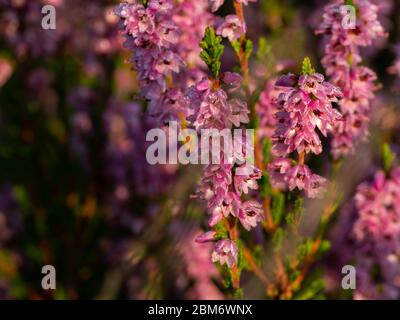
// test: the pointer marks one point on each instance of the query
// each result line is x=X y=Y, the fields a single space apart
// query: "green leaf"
x=387 y=157
x=266 y=150
x=278 y=207
x=248 y=48
x=297 y=210
x=263 y=49
x=236 y=46
x=324 y=247
x=212 y=50
x=277 y=239
x=265 y=185
x=307 y=68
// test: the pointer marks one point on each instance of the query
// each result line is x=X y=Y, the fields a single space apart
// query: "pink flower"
x=225 y=251
x=232 y=28
x=232 y=79
x=249 y=214
x=278 y=170
x=373 y=239
x=301 y=110
x=245 y=182
x=205 y=237
x=316 y=186
x=298 y=177
x=342 y=63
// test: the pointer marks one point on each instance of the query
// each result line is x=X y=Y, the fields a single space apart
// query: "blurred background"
x=76 y=191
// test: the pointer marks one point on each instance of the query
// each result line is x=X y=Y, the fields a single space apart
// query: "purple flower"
x=232 y=79
x=245 y=182
x=225 y=251
x=298 y=177
x=278 y=171
x=205 y=237
x=249 y=214
x=232 y=28
x=316 y=186
x=372 y=242
x=342 y=63
x=301 y=110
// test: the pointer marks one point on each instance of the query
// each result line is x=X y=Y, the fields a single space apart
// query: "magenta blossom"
x=225 y=251
x=232 y=28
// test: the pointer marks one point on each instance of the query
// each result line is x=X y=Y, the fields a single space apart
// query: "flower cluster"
x=303 y=107
x=223 y=184
x=342 y=63
x=162 y=54
x=375 y=235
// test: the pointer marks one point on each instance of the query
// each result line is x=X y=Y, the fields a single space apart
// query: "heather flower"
x=301 y=111
x=162 y=54
x=372 y=241
x=250 y=213
x=342 y=63
x=303 y=106
x=298 y=177
x=205 y=237
x=232 y=28
x=232 y=79
x=225 y=251
x=316 y=186
x=243 y=183
x=278 y=172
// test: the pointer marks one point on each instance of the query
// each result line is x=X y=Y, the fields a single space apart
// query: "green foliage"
x=266 y=150
x=293 y=217
x=242 y=263
x=212 y=50
x=248 y=48
x=263 y=49
x=257 y=254
x=306 y=68
x=324 y=247
x=265 y=185
x=238 y=293
x=277 y=239
x=312 y=288
x=221 y=231
x=304 y=249
x=278 y=207
x=387 y=157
